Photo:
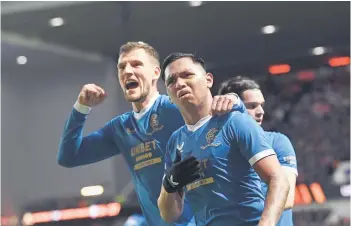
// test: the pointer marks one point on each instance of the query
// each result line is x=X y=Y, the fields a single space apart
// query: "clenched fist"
x=223 y=104
x=91 y=95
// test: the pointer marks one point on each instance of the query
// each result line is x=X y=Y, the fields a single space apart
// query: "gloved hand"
x=181 y=173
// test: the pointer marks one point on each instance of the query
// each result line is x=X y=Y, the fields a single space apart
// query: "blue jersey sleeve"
x=285 y=151
x=75 y=150
x=249 y=137
x=240 y=107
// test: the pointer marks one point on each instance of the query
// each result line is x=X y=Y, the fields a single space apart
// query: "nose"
x=179 y=83
x=259 y=111
x=128 y=69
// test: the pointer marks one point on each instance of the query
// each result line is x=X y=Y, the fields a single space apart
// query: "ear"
x=157 y=73
x=209 y=80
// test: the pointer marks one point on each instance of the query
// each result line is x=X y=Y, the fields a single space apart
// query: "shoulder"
x=279 y=138
x=270 y=136
x=237 y=125
x=284 y=150
x=166 y=102
x=239 y=116
x=164 y=99
x=240 y=120
x=281 y=143
x=120 y=120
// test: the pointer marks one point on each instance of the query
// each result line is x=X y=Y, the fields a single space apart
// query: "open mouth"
x=131 y=85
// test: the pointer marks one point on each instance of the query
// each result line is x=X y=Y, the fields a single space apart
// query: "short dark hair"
x=175 y=56
x=237 y=85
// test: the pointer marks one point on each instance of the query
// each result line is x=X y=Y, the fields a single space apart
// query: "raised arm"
x=74 y=149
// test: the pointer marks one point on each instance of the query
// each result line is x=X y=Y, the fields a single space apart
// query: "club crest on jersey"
x=154 y=124
x=210 y=137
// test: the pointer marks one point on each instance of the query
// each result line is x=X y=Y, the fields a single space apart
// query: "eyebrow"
x=171 y=75
x=169 y=78
x=187 y=70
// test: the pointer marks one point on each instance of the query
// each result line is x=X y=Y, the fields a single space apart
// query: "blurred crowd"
x=316 y=117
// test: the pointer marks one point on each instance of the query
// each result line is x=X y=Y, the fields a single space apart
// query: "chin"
x=136 y=97
x=187 y=101
x=132 y=98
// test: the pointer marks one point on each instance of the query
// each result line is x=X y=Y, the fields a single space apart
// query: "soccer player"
x=250 y=93
x=217 y=160
x=140 y=135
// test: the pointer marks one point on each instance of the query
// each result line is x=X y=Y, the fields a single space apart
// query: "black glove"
x=181 y=173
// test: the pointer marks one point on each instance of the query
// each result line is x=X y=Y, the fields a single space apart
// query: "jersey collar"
x=199 y=124
x=139 y=115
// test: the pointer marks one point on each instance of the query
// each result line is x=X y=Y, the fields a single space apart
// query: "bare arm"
x=255 y=147
x=287 y=159
x=170 y=205
x=291 y=176
x=272 y=173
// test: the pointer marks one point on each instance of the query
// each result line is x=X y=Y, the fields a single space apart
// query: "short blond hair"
x=129 y=46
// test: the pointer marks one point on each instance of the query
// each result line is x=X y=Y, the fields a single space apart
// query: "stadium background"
x=44 y=63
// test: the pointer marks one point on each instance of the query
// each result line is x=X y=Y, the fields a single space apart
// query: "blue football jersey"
x=141 y=138
x=229 y=190
x=287 y=158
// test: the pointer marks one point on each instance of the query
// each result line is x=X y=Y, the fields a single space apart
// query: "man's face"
x=187 y=82
x=254 y=102
x=136 y=72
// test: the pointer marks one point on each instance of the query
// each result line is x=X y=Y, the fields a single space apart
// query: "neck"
x=192 y=113
x=138 y=106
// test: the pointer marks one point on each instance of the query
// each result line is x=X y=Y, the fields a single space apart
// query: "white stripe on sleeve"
x=261 y=155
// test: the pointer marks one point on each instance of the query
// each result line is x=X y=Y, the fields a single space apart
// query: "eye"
x=170 y=81
x=137 y=64
x=121 y=66
x=251 y=105
x=186 y=75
